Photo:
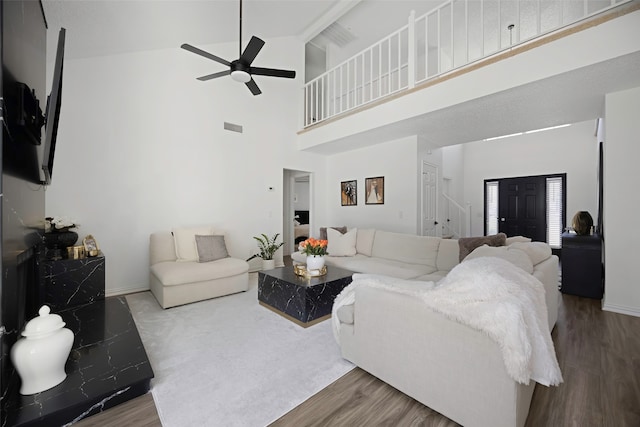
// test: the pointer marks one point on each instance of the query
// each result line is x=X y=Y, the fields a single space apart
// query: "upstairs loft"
x=451 y=76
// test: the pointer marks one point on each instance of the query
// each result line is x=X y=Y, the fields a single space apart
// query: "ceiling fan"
x=241 y=69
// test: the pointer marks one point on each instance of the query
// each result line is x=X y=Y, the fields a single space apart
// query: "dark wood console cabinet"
x=582 y=265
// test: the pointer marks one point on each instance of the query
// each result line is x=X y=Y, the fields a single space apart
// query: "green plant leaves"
x=267 y=247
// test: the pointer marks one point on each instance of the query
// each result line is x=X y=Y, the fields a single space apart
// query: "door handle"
x=435 y=222
x=502 y=220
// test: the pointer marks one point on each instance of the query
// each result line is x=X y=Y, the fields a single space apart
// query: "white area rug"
x=231 y=362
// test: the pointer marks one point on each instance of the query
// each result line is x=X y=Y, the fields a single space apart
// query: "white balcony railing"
x=455 y=34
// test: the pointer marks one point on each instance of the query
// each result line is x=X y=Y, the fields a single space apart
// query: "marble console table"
x=69 y=282
x=108 y=365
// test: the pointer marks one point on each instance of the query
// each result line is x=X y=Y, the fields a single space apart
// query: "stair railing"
x=457 y=222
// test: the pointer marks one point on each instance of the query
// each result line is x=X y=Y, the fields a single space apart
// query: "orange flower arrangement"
x=313 y=246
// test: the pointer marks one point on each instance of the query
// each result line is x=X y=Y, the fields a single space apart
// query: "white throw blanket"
x=490 y=295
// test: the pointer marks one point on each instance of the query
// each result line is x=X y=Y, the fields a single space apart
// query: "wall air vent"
x=338 y=34
x=232 y=127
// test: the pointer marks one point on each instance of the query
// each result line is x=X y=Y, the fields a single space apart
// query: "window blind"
x=491 y=203
x=554 y=212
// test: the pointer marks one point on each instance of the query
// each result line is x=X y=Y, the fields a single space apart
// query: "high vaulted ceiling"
x=106 y=27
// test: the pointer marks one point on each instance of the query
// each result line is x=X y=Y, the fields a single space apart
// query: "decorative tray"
x=301 y=270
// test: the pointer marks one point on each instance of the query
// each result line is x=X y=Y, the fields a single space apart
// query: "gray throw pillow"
x=211 y=248
x=468 y=244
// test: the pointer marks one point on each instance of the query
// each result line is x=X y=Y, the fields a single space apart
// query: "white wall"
x=453 y=169
x=621 y=201
x=572 y=150
x=141 y=148
x=396 y=161
x=301 y=196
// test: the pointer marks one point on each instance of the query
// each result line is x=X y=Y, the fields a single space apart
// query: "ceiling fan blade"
x=252 y=50
x=272 y=72
x=253 y=87
x=214 y=75
x=205 y=54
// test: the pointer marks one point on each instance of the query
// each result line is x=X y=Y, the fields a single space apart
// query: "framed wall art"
x=374 y=190
x=349 y=193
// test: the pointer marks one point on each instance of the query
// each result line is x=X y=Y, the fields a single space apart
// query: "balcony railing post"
x=412 y=50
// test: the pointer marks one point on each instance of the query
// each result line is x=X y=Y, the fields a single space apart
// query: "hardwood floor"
x=139 y=412
x=598 y=352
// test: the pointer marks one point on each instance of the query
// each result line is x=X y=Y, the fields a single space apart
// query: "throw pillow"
x=341 y=244
x=514 y=256
x=185 y=241
x=364 y=241
x=323 y=231
x=515 y=239
x=468 y=244
x=211 y=248
x=537 y=251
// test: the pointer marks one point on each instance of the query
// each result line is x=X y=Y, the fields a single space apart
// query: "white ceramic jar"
x=40 y=356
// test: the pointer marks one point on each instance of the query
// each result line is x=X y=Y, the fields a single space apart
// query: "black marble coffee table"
x=305 y=301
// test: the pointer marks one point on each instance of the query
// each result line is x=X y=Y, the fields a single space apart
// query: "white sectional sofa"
x=407 y=256
x=176 y=281
x=446 y=365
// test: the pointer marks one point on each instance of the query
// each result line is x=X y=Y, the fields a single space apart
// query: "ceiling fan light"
x=240 y=76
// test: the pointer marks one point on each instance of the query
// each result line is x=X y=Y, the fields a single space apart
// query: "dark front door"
x=522 y=207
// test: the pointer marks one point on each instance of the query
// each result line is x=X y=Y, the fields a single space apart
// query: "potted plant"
x=267 y=247
x=315 y=250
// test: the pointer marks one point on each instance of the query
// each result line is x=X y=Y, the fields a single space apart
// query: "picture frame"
x=349 y=193
x=90 y=246
x=374 y=190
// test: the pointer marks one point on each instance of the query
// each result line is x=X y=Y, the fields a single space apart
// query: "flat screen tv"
x=53 y=111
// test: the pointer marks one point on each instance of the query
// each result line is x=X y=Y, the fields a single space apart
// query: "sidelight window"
x=491 y=204
x=554 y=211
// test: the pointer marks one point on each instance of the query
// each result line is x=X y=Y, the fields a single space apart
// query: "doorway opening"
x=297 y=208
x=430 y=195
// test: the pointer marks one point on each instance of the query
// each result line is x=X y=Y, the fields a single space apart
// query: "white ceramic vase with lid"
x=40 y=356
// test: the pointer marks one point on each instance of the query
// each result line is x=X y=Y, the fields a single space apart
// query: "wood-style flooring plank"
x=360 y=399
x=138 y=412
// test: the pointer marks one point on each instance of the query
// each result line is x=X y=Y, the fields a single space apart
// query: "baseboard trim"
x=631 y=311
x=124 y=291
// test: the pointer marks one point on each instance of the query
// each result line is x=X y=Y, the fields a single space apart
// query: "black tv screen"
x=53 y=111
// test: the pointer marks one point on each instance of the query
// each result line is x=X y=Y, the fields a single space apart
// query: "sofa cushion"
x=179 y=273
x=468 y=244
x=514 y=256
x=514 y=239
x=341 y=244
x=448 y=254
x=364 y=241
x=407 y=248
x=211 y=248
x=161 y=247
x=384 y=267
x=435 y=277
x=185 y=241
x=537 y=251
x=323 y=231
